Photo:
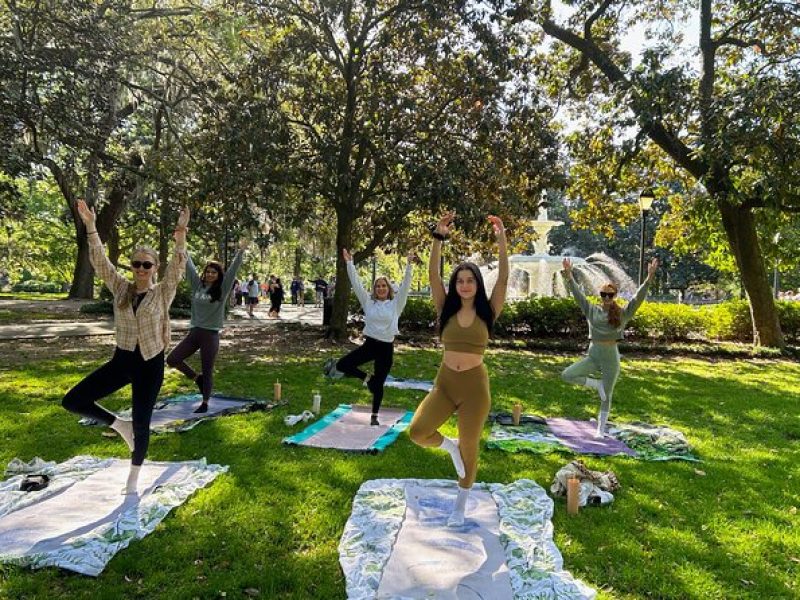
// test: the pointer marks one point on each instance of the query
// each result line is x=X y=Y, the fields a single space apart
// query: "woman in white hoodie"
x=382 y=310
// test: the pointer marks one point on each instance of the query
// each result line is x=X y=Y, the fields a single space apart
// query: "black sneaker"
x=374 y=420
x=202 y=408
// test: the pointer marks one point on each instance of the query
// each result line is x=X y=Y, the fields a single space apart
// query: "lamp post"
x=645 y=202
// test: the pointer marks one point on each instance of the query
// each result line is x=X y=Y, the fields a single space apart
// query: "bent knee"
x=419 y=435
x=172 y=360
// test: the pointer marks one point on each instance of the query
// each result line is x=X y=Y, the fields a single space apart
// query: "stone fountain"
x=538 y=274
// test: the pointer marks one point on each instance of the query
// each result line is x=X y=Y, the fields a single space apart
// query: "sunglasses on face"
x=142 y=264
x=608 y=295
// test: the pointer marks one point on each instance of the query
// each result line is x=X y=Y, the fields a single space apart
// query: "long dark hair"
x=452 y=301
x=215 y=291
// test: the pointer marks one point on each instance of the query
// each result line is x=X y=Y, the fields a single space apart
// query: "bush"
x=789 y=315
x=40 y=287
x=419 y=313
x=542 y=317
x=728 y=321
x=667 y=321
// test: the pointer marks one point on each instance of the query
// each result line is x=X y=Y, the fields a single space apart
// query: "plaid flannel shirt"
x=149 y=326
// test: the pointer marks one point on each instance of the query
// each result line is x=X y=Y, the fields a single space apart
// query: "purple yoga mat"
x=579 y=436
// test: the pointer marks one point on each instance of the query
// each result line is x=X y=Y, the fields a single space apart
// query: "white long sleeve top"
x=380 y=316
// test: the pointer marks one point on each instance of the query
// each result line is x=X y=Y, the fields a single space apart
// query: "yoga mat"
x=176 y=414
x=408 y=384
x=430 y=559
x=396 y=544
x=348 y=428
x=89 y=521
x=525 y=437
x=637 y=440
x=579 y=436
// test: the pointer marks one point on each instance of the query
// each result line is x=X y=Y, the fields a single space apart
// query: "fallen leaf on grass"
x=747 y=582
x=109 y=434
x=699 y=472
x=251 y=592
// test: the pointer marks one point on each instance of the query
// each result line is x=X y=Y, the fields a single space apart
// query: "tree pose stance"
x=382 y=310
x=606 y=327
x=209 y=293
x=466 y=316
x=141 y=320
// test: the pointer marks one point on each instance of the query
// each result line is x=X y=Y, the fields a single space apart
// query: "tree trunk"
x=298 y=257
x=83 y=275
x=344 y=230
x=740 y=228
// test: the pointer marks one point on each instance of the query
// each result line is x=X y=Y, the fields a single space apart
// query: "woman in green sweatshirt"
x=209 y=294
x=607 y=322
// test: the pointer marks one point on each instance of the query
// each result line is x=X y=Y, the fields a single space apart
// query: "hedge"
x=32 y=285
x=560 y=317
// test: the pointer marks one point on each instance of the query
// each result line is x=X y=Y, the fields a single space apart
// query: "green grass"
x=32 y=296
x=724 y=528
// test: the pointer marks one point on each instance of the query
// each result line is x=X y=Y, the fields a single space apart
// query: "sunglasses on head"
x=142 y=264
x=607 y=294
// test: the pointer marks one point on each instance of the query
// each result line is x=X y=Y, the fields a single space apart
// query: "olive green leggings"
x=602 y=358
x=465 y=393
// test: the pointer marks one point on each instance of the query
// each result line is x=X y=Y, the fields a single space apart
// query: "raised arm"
x=175 y=268
x=574 y=288
x=97 y=255
x=405 y=286
x=191 y=273
x=498 y=298
x=233 y=268
x=355 y=280
x=438 y=293
x=641 y=293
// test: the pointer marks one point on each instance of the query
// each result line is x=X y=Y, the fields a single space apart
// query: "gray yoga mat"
x=432 y=560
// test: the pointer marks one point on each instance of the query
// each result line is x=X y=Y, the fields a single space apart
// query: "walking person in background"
x=466 y=316
x=209 y=292
x=252 y=294
x=382 y=310
x=607 y=323
x=275 y=298
x=142 y=329
x=301 y=292
x=321 y=291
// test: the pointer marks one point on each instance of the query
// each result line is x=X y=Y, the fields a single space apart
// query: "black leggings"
x=382 y=353
x=207 y=341
x=126 y=366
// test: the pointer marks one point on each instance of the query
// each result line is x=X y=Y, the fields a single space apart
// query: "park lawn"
x=723 y=528
x=32 y=296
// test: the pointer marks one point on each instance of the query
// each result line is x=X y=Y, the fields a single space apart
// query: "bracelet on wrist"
x=91 y=232
x=438 y=236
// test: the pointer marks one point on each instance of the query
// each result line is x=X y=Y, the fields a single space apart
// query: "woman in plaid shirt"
x=141 y=320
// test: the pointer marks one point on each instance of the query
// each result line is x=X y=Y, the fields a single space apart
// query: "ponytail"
x=614 y=311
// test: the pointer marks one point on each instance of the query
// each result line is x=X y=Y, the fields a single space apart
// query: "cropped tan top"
x=472 y=339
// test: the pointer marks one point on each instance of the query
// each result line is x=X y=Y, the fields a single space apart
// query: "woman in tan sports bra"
x=466 y=316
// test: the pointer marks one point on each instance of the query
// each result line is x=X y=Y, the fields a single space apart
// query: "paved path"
x=49 y=329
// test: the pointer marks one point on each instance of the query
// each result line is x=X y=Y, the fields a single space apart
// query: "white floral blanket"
x=81 y=519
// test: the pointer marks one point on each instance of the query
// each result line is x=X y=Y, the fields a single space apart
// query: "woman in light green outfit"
x=607 y=322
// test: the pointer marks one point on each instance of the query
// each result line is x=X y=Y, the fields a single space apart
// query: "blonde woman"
x=382 y=310
x=607 y=322
x=141 y=320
